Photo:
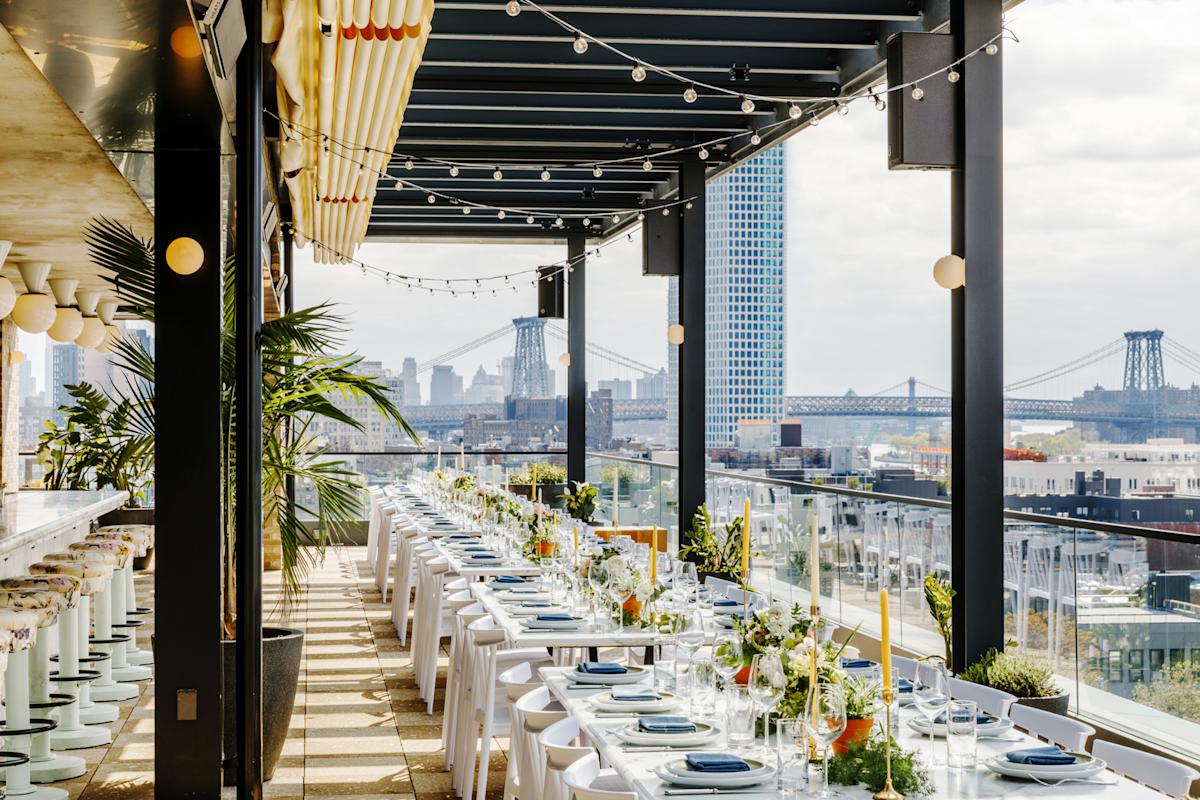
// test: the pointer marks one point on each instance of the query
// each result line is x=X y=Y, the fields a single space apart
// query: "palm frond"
x=114 y=247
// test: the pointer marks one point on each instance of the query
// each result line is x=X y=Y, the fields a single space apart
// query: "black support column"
x=187 y=373
x=248 y=423
x=691 y=352
x=577 y=348
x=977 y=346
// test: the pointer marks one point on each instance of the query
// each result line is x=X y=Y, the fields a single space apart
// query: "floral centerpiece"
x=542 y=541
x=632 y=584
x=464 y=484
x=581 y=503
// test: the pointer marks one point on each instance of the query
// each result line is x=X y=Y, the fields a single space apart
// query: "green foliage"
x=581 y=503
x=464 y=483
x=625 y=473
x=1064 y=443
x=1177 y=692
x=713 y=550
x=865 y=762
x=939 y=598
x=1017 y=673
x=547 y=474
x=864 y=696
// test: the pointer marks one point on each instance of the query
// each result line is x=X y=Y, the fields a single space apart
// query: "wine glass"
x=826 y=717
x=930 y=698
x=767 y=685
x=689 y=635
x=727 y=659
x=597 y=576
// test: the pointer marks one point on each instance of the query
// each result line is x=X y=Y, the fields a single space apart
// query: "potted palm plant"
x=300 y=379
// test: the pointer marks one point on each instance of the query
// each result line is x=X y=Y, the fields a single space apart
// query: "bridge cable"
x=1072 y=366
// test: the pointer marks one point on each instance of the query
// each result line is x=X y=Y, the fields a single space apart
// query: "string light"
x=793 y=111
x=952 y=76
x=596 y=171
x=587 y=222
x=529 y=220
x=498 y=175
x=638 y=73
x=747 y=105
x=918 y=93
x=647 y=166
x=755 y=139
x=843 y=109
x=689 y=94
x=466 y=210
x=545 y=174
x=703 y=154
x=453 y=171
x=580 y=43
x=430 y=199
x=616 y=218
x=513 y=8
x=991 y=48
x=408 y=164
x=500 y=214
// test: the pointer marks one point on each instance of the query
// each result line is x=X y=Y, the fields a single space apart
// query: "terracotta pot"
x=545 y=548
x=743 y=676
x=633 y=607
x=857 y=730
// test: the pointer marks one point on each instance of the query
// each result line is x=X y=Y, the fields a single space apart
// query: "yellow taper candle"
x=746 y=543
x=616 y=494
x=654 y=556
x=814 y=564
x=885 y=639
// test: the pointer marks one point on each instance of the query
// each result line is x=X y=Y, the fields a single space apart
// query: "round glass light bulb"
x=580 y=44
x=675 y=334
x=558 y=221
x=430 y=199
x=453 y=171
x=597 y=172
x=513 y=8
x=747 y=105
x=793 y=111
x=466 y=209
x=68 y=324
x=689 y=94
x=545 y=175
x=647 y=166
x=500 y=214
x=992 y=49
x=8 y=297
x=92 y=334
x=34 y=313
x=497 y=175
x=587 y=221
x=616 y=218
x=529 y=220
x=185 y=255
x=953 y=76
x=408 y=164
x=755 y=139
x=638 y=74
x=703 y=153
x=918 y=93
x=950 y=272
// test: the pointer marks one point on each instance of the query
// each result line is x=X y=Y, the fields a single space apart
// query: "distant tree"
x=1176 y=692
x=1066 y=443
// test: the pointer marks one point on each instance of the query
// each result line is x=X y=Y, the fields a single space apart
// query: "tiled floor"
x=358 y=730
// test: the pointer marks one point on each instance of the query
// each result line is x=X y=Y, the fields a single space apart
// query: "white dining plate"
x=631 y=675
x=520 y=611
x=703 y=734
x=507 y=597
x=922 y=726
x=1085 y=767
x=605 y=702
x=553 y=625
x=503 y=588
x=676 y=772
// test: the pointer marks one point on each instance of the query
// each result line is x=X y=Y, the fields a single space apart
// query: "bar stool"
x=147 y=531
x=32 y=610
x=122 y=620
x=98 y=569
x=62 y=592
x=71 y=733
x=106 y=688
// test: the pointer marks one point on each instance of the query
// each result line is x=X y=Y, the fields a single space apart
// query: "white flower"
x=644 y=590
x=850 y=652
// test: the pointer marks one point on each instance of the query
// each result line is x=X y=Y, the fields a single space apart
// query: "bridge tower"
x=530 y=375
x=1143 y=361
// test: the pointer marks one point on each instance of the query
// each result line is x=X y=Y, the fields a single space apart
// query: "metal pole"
x=691 y=352
x=188 y=432
x=248 y=407
x=977 y=339
x=289 y=305
x=577 y=347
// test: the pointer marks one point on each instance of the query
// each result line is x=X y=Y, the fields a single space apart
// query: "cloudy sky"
x=1102 y=228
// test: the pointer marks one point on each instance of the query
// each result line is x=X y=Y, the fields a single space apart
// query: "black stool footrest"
x=114 y=639
x=137 y=623
x=84 y=676
x=10 y=758
x=138 y=610
x=56 y=701
x=36 y=726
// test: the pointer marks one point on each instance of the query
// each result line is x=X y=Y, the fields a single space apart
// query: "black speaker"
x=661 y=241
x=921 y=131
x=551 y=297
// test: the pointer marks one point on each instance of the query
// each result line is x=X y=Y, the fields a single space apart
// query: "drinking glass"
x=727 y=659
x=961 y=733
x=930 y=698
x=826 y=715
x=791 y=756
x=619 y=595
x=767 y=685
x=546 y=570
x=666 y=654
x=689 y=633
x=597 y=576
x=702 y=687
x=740 y=719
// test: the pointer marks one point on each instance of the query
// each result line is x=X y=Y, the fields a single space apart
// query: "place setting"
x=606 y=673
x=633 y=700
x=553 y=621
x=1049 y=765
x=712 y=773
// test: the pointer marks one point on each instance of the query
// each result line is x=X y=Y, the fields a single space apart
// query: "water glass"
x=740 y=718
x=703 y=688
x=792 y=757
x=961 y=733
x=666 y=654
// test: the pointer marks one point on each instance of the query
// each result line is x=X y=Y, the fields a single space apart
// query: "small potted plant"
x=939 y=598
x=717 y=552
x=862 y=704
x=541 y=542
x=581 y=503
x=1022 y=675
x=551 y=479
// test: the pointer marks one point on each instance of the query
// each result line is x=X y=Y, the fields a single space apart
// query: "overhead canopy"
x=496 y=90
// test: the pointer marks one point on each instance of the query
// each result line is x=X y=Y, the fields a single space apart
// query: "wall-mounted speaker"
x=921 y=129
x=551 y=295
x=661 y=240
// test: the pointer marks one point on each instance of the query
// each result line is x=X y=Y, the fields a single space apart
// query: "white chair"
x=517 y=682
x=1167 y=776
x=381 y=558
x=875 y=550
x=586 y=781
x=989 y=700
x=1040 y=583
x=408 y=540
x=374 y=503
x=941 y=552
x=1065 y=732
x=720 y=586
x=905 y=667
x=560 y=752
x=537 y=710
x=465 y=611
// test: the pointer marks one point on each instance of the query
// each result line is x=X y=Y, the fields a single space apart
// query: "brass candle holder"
x=888 y=792
x=814 y=614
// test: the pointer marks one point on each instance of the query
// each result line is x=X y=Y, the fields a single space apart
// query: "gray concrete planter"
x=282 y=648
x=1056 y=704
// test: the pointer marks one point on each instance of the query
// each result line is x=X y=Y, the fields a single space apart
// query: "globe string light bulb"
x=918 y=93
x=666 y=212
x=529 y=220
x=497 y=175
x=580 y=44
x=843 y=108
x=991 y=49
x=587 y=222
x=703 y=153
x=500 y=214
x=596 y=171
x=430 y=199
x=616 y=218
x=638 y=74
x=558 y=221
x=647 y=165
x=814 y=120
x=513 y=7
x=453 y=171
x=689 y=94
x=755 y=139
x=880 y=103
x=466 y=209
x=408 y=164
x=545 y=174
x=747 y=105
x=793 y=111
x=953 y=76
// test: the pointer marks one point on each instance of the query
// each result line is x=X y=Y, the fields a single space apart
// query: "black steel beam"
x=617 y=89
x=692 y=351
x=977 y=340
x=577 y=348
x=188 y=432
x=248 y=406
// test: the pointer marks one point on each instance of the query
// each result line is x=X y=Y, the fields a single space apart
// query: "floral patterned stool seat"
x=63 y=591
x=106 y=688
x=23 y=613
x=98 y=569
x=129 y=665
x=147 y=532
x=72 y=733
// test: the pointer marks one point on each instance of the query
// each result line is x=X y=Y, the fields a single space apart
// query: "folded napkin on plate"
x=666 y=725
x=516 y=579
x=980 y=719
x=461 y=536
x=527 y=590
x=905 y=685
x=601 y=668
x=1041 y=756
x=554 y=618
x=632 y=693
x=857 y=663
x=725 y=602
x=716 y=762
x=483 y=556
x=535 y=604
x=476 y=548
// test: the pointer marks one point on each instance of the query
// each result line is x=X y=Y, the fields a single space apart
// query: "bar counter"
x=33 y=523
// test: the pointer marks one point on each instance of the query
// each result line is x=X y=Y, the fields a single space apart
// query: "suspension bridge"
x=1146 y=404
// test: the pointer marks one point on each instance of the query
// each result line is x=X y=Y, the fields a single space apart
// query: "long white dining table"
x=461 y=565
x=637 y=767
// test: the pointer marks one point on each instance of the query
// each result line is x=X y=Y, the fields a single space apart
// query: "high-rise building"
x=445 y=386
x=745 y=361
x=618 y=388
x=652 y=386
x=70 y=366
x=485 y=388
x=412 y=389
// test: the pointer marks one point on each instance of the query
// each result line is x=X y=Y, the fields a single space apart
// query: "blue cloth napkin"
x=476 y=548
x=905 y=685
x=555 y=618
x=666 y=725
x=725 y=602
x=601 y=668
x=509 y=579
x=535 y=604
x=857 y=663
x=484 y=557
x=716 y=762
x=635 y=693
x=980 y=719
x=461 y=536
x=1041 y=756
